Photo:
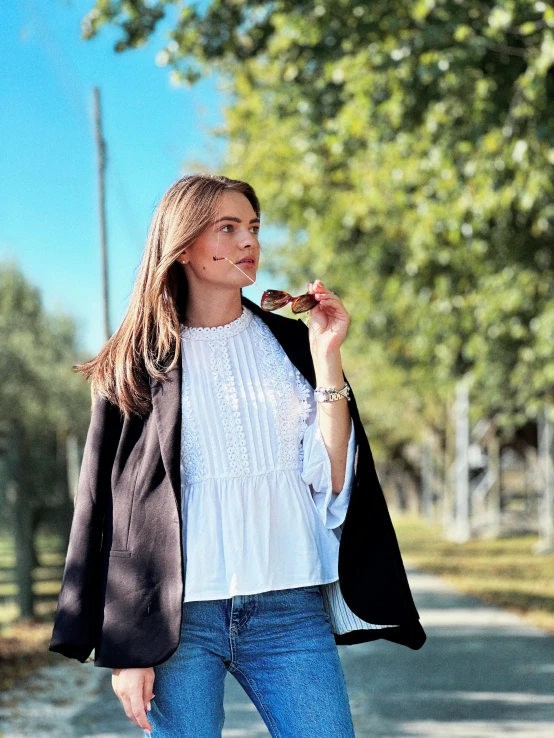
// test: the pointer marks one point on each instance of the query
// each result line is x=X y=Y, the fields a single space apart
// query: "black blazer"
x=123 y=581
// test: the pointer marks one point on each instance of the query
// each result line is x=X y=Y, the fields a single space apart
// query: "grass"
x=23 y=649
x=503 y=572
x=24 y=645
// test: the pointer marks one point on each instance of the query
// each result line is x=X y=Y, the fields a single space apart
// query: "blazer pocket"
x=123 y=554
x=137 y=476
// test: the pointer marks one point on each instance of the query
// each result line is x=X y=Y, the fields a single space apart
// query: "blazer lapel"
x=166 y=395
x=166 y=403
x=289 y=339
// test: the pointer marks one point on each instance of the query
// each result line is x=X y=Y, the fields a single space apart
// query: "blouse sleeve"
x=316 y=472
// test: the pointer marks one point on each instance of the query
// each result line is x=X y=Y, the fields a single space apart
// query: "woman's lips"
x=247 y=263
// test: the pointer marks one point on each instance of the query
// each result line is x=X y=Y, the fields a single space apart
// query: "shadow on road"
x=483 y=673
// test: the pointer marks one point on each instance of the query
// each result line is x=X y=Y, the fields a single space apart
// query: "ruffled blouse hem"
x=218 y=596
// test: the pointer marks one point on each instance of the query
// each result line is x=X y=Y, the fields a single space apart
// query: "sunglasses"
x=275 y=299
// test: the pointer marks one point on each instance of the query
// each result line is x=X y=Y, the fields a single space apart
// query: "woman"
x=216 y=490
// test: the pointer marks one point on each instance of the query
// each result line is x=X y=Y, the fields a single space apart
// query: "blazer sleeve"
x=77 y=618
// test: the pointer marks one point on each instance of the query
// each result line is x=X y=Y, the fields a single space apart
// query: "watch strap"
x=331 y=394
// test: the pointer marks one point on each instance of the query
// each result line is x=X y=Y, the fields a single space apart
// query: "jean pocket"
x=308 y=588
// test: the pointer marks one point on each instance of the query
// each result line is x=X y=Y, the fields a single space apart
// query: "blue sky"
x=48 y=189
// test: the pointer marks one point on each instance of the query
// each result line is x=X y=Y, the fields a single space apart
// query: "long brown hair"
x=149 y=334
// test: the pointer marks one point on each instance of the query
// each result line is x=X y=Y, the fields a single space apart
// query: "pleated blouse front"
x=258 y=508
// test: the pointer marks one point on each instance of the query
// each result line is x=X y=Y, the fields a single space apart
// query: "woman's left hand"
x=328 y=322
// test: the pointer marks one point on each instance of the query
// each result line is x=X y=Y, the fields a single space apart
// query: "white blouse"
x=258 y=508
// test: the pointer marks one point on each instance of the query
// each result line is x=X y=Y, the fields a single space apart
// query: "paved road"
x=483 y=673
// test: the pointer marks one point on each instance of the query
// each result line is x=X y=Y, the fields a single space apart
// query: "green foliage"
x=409 y=150
x=41 y=398
x=505 y=572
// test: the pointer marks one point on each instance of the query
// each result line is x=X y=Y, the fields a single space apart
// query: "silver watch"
x=330 y=394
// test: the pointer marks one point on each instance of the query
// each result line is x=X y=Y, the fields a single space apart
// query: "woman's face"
x=234 y=235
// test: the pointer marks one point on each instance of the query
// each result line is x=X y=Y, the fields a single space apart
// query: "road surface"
x=483 y=673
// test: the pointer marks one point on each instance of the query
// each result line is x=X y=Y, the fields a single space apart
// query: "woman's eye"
x=228 y=225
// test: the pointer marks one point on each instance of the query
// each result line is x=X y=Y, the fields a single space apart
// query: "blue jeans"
x=277 y=644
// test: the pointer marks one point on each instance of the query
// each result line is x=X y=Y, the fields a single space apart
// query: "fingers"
x=329 y=303
x=317 y=286
x=147 y=693
x=320 y=290
x=138 y=712
x=133 y=687
x=324 y=295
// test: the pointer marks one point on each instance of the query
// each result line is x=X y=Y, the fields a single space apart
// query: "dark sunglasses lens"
x=303 y=303
x=274 y=299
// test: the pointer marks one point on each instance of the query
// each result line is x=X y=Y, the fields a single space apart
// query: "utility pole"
x=101 y=152
x=546 y=504
x=427 y=477
x=460 y=530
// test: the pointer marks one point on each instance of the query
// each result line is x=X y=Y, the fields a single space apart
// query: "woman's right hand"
x=134 y=690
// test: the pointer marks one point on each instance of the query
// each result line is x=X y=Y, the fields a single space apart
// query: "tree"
x=41 y=400
x=409 y=150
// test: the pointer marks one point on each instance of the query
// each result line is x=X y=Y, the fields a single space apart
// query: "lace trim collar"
x=218 y=332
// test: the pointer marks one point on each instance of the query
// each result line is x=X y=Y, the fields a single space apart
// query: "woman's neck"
x=213 y=311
